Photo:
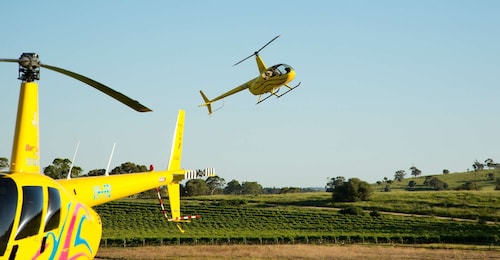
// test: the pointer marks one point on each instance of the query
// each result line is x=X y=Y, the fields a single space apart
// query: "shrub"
x=375 y=213
x=352 y=190
x=356 y=211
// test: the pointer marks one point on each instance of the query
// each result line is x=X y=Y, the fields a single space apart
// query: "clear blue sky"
x=386 y=85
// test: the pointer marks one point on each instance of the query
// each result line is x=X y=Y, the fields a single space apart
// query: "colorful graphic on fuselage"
x=48 y=217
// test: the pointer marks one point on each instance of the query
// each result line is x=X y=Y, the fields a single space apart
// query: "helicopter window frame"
x=31 y=212
x=53 y=215
x=8 y=207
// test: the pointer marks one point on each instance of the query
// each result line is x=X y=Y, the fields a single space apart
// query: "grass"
x=295 y=252
x=453 y=180
x=407 y=218
x=278 y=219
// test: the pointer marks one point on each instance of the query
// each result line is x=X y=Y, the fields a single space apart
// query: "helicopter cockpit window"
x=31 y=213
x=53 y=211
x=8 y=205
x=281 y=69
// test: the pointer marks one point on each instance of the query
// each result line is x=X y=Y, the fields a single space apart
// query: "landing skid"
x=278 y=96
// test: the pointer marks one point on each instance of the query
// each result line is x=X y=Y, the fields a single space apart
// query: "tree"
x=415 y=172
x=477 y=166
x=334 y=182
x=446 y=171
x=352 y=190
x=468 y=186
x=399 y=175
x=196 y=187
x=412 y=184
x=215 y=183
x=4 y=162
x=129 y=167
x=491 y=164
x=251 y=188
x=233 y=187
x=96 y=172
x=438 y=184
x=59 y=169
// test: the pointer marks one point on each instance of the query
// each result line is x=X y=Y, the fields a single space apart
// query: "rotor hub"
x=29 y=67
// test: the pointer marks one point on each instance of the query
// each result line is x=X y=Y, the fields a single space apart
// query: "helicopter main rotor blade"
x=268 y=43
x=134 y=104
x=257 y=52
x=10 y=60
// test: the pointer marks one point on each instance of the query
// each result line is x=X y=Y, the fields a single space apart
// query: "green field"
x=472 y=218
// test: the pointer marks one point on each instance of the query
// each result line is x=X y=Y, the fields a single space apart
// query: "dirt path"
x=296 y=252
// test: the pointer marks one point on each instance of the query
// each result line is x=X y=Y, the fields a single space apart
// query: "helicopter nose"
x=290 y=76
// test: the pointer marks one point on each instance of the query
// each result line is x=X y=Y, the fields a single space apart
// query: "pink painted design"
x=67 y=236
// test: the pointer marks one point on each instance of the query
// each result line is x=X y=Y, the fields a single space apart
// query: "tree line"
x=60 y=168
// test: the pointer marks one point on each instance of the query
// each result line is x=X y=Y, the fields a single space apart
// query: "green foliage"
x=215 y=184
x=375 y=213
x=468 y=186
x=399 y=175
x=352 y=190
x=233 y=202
x=233 y=187
x=438 y=184
x=453 y=180
x=96 y=172
x=415 y=172
x=196 y=187
x=4 y=162
x=355 y=211
x=334 y=182
x=251 y=188
x=260 y=221
x=60 y=167
x=129 y=167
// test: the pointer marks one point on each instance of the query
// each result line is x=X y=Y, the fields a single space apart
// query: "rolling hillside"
x=399 y=216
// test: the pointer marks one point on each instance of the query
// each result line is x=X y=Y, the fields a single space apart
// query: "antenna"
x=106 y=173
x=73 y=160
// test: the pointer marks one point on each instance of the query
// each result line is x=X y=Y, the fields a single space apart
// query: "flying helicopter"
x=270 y=80
x=43 y=218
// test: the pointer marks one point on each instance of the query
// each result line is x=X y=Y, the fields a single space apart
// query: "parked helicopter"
x=43 y=218
x=270 y=80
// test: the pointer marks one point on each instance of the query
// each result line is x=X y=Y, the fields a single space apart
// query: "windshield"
x=8 y=204
x=281 y=69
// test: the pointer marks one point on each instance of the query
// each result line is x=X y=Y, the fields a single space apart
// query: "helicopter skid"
x=278 y=96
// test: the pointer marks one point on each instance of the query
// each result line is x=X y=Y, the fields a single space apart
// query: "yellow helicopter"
x=43 y=218
x=270 y=80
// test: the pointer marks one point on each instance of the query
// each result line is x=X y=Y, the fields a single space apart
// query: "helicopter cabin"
x=32 y=204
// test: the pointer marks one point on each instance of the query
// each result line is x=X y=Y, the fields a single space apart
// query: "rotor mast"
x=25 y=157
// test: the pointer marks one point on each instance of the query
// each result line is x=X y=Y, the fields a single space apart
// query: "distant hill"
x=454 y=180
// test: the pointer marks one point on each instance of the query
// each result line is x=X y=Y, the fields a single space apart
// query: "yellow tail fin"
x=174 y=164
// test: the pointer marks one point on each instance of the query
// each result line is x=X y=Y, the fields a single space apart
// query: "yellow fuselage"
x=261 y=85
x=43 y=218
x=49 y=222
